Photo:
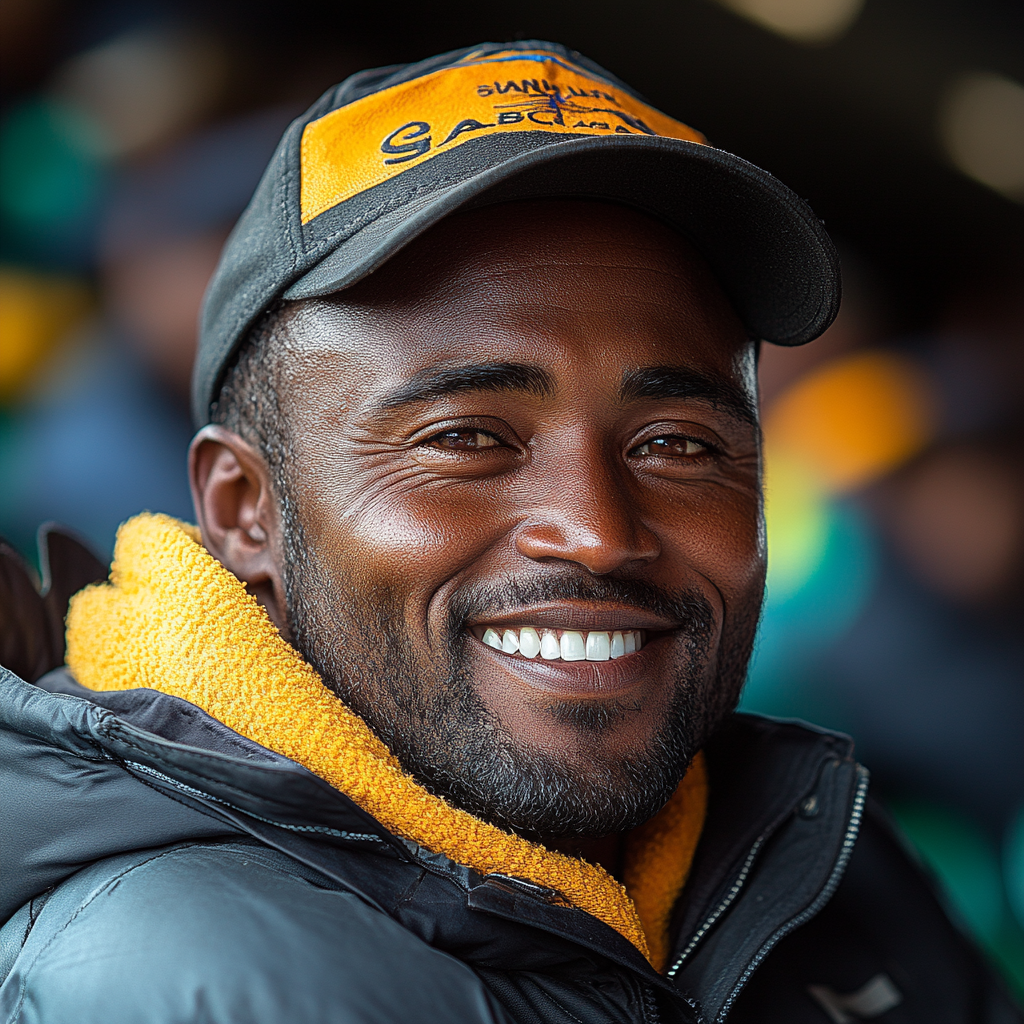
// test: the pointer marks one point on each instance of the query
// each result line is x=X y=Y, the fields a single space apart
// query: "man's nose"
x=588 y=516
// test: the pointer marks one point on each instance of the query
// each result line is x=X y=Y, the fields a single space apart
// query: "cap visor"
x=768 y=250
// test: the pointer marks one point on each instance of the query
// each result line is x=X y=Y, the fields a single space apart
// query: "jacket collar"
x=783 y=814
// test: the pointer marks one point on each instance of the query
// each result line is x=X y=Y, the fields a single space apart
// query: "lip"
x=580 y=616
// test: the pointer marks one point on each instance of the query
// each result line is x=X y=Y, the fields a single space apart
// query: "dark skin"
x=626 y=447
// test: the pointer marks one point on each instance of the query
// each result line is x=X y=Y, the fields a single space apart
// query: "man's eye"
x=671 y=447
x=464 y=440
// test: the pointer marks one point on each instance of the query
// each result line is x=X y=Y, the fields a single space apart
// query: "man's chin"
x=568 y=808
x=582 y=791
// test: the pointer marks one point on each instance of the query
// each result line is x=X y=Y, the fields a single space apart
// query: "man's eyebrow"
x=676 y=382
x=439 y=382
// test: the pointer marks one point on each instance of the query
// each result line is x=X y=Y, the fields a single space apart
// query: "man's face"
x=534 y=427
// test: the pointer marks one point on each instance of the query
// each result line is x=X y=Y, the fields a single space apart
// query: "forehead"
x=568 y=284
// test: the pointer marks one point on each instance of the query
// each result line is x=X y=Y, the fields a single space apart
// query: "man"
x=431 y=716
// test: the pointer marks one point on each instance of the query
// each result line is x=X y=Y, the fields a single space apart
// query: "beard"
x=434 y=721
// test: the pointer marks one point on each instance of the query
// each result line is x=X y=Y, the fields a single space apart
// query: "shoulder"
x=226 y=934
x=884 y=940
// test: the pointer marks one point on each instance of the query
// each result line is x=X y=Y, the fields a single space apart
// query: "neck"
x=606 y=851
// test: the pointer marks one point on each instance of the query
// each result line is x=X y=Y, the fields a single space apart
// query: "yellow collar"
x=174 y=619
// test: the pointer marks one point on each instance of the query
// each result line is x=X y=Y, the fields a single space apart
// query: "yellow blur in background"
x=37 y=312
x=854 y=419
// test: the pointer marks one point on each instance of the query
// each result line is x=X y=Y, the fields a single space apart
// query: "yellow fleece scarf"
x=174 y=619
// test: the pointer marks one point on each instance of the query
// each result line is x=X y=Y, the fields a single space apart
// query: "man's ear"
x=237 y=514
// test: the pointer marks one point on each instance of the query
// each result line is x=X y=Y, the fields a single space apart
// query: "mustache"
x=689 y=607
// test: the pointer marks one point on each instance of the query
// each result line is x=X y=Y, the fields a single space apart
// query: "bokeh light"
x=853 y=419
x=815 y=590
x=51 y=179
x=835 y=429
x=894 y=487
x=36 y=312
x=797 y=519
x=981 y=123
x=804 y=21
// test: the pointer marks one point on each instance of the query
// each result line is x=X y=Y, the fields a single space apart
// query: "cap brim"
x=768 y=250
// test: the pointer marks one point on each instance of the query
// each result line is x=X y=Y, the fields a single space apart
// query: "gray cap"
x=390 y=152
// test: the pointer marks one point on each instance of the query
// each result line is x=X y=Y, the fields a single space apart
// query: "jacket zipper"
x=852 y=828
x=650 y=1005
x=722 y=907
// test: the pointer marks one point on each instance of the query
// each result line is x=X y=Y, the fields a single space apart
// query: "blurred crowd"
x=895 y=599
x=895 y=491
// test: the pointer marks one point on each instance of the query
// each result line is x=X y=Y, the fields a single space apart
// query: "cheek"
x=719 y=534
x=401 y=533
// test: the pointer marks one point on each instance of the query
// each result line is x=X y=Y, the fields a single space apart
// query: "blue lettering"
x=411 y=139
x=469 y=125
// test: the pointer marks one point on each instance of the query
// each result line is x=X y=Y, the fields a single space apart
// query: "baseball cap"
x=389 y=152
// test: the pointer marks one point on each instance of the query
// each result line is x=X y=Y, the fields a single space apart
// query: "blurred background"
x=133 y=133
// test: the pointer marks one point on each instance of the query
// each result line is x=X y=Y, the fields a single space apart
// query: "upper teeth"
x=569 y=646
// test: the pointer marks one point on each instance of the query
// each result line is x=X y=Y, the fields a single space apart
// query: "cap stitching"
x=365 y=219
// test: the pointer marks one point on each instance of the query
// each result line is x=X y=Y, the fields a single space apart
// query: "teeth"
x=549 y=649
x=618 y=647
x=573 y=645
x=598 y=647
x=529 y=642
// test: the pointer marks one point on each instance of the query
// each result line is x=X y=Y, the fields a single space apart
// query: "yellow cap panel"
x=379 y=136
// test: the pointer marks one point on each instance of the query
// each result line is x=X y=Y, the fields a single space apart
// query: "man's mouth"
x=563 y=644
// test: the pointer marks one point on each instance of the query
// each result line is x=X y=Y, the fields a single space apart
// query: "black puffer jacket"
x=156 y=867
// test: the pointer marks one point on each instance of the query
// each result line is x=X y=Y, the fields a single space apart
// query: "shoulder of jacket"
x=226 y=933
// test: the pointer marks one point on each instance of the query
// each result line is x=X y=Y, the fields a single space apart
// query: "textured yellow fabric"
x=659 y=855
x=174 y=619
x=382 y=135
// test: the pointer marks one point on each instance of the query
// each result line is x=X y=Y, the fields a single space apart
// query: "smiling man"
x=508 y=510
x=432 y=716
